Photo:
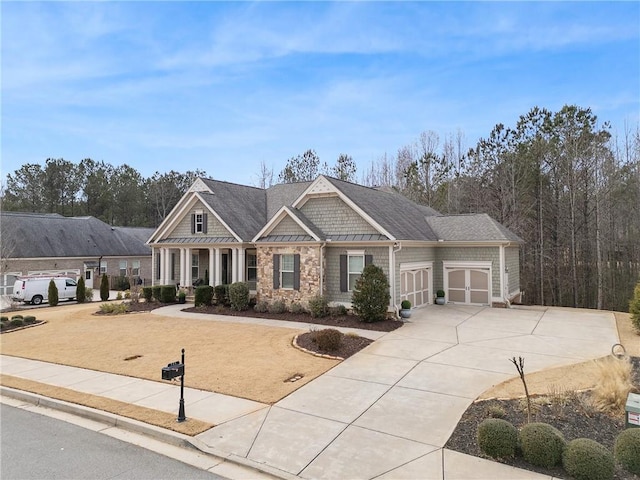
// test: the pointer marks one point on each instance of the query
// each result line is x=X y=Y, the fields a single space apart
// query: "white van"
x=35 y=290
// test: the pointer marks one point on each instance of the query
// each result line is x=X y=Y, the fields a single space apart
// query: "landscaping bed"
x=348 y=321
x=570 y=412
x=349 y=345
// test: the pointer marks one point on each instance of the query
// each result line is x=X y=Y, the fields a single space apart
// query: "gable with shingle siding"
x=214 y=227
x=287 y=226
x=334 y=217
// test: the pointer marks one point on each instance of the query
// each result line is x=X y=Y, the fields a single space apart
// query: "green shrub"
x=203 y=295
x=278 y=306
x=119 y=295
x=88 y=294
x=318 y=306
x=497 y=438
x=496 y=411
x=16 y=322
x=239 y=296
x=29 y=319
x=440 y=293
x=147 y=293
x=261 y=307
x=338 y=311
x=405 y=305
x=167 y=293
x=104 y=288
x=222 y=294
x=113 y=308
x=542 y=444
x=155 y=292
x=586 y=459
x=127 y=294
x=53 y=293
x=634 y=308
x=4 y=319
x=122 y=283
x=328 y=340
x=297 y=308
x=81 y=290
x=627 y=450
x=370 y=298
x=14 y=317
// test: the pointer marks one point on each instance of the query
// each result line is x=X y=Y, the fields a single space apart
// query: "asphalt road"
x=38 y=447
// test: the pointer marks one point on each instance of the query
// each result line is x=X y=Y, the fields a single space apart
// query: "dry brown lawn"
x=248 y=361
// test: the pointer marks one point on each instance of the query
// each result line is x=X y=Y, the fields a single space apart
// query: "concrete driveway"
x=388 y=411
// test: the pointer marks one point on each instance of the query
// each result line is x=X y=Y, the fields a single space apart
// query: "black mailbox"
x=173 y=370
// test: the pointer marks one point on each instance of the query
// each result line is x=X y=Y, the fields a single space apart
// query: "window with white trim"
x=135 y=268
x=199 y=222
x=355 y=265
x=286 y=271
x=252 y=269
x=123 y=268
x=103 y=268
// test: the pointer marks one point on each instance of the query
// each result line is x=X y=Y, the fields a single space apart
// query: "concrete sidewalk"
x=384 y=413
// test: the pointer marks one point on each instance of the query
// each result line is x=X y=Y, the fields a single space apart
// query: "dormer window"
x=199 y=222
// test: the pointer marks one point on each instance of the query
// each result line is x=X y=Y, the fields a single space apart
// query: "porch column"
x=211 y=265
x=241 y=266
x=234 y=265
x=163 y=265
x=218 y=270
x=181 y=268
x=188 y=280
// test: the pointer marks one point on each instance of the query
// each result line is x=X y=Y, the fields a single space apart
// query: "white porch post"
x=241 y=269
x=181 y=266
x=218 y=266
x=234 y=265
x=211 y=254
x=163 y=266
x=188 y=280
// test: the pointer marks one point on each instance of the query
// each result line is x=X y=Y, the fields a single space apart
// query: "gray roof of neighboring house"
x=471 y=227
x=32 y=235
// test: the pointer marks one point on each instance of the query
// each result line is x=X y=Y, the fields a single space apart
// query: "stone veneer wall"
x=310 y=265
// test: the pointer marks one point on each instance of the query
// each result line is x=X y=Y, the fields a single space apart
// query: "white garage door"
x=415 y=285
x=468 y=285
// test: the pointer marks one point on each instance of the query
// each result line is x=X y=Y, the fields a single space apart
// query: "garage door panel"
x=414 y=286
x=478 y=280
x=458 y=296
x=468 y=286
x=457 y=279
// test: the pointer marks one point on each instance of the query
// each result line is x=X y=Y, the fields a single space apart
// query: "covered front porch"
x=189 y=266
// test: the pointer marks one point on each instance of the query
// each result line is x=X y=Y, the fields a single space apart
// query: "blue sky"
x=225 y=86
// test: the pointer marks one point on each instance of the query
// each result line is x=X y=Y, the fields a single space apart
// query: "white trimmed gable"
x=284 y=215
x=199 y=186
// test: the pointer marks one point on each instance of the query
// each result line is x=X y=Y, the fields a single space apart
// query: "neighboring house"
x=50 y=244
x=294 y=241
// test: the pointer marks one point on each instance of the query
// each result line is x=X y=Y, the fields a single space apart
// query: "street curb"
x=136 y=426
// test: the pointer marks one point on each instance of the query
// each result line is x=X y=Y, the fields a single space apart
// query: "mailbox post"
x=172 y=371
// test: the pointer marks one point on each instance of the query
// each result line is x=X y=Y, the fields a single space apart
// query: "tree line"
x=560 y=180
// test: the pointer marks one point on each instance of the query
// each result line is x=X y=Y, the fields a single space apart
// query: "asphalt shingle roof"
x=471 y=227
x=28 y=235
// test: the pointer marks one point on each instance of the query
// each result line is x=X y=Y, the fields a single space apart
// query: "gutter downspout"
x=392 y=273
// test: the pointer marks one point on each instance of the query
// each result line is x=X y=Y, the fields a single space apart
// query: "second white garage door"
x=468 y=285
x=415 y=284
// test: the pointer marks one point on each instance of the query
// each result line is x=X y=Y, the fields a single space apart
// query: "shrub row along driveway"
x=248 y=361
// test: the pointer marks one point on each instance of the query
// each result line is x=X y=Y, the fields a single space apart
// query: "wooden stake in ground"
x=520 y=368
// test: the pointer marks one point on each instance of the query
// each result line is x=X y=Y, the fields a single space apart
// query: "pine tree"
x=371 y=297
x=53 y=293
x=81 y=291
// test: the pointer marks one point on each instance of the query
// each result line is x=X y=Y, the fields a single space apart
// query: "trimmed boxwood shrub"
x=29 y=319
x=497 y=438
x=13 y=317
x=53 y=293
x=104 y=288
x=318 y=306
x=586 y=459
x=370 y=298
x=627 y=450
x=167 y=293
x=203 y=295
x=147 y=293
x=542 y=444
x=278 y=306
x=261 y=307
x=297 y=308
x=155 y=292
x=239 y=296
x=222 y=294
x=328 y=340
x=4 y=319
x=16 y=322
x=81 y=290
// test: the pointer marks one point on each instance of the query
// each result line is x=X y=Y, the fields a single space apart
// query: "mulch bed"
x=350 y=345
x=349 y=321
x=572 y=416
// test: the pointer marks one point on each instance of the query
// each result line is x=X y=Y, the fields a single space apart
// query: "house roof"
x=29 y=235
x=471 y=227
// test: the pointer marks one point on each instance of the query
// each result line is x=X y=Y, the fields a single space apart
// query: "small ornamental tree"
x=81 y=291
x=634 y=308
x=104 y=288
x=370 y=298
x=53 y=293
